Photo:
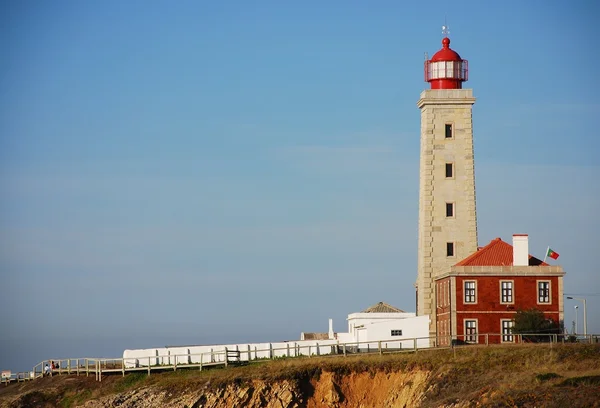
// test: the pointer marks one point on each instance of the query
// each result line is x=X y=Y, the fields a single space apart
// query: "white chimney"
x=520 y=250
x=331 y=335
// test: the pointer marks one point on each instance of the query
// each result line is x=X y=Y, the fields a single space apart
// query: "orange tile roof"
x=496 y=253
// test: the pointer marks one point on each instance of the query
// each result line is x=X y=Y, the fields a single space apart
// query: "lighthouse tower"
x=447 y=216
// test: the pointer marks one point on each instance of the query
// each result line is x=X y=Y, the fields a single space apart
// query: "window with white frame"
x=507 y=326
x=471 y=331
x=543 y=292
x=470 y=292
x=396 y=332
x=506 y=291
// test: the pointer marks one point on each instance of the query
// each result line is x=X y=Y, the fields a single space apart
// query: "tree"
x=531 y=323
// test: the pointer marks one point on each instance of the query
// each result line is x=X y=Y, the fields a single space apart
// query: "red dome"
x=446 y=70
x=446 y=54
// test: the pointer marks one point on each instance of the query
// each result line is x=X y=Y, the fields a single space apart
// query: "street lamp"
x=584 y=312
x=576 y=316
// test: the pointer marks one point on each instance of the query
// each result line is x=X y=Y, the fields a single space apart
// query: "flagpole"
x=546 y=256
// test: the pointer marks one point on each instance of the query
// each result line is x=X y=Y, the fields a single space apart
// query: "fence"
x=227 y=356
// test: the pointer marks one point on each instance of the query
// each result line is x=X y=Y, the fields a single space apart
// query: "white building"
x=381 y=323
x=385 y=323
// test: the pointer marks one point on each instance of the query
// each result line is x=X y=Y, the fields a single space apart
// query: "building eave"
x=552 y=270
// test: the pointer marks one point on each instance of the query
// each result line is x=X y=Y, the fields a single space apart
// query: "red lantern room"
x=446 y=70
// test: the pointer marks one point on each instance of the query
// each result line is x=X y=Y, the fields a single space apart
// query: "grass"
x=502 y=376
x=128 y=382
x=458 y=368
x=546 y=377
x=72 y=399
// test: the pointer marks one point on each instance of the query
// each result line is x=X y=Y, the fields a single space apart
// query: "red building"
x=477 y=299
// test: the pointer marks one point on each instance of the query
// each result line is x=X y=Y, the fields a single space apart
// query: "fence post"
x=288 y=349
x=201 y=356
x=87 y=367
x=249 y=353
x=309 y=352
x=100 y=373
x=344 y=349
x=318 y=350
x=379 y=346
x=148 y=365
x=487 y=343
x=226 y=356
x=415 y=344
x=123 y=366
x=175 y=363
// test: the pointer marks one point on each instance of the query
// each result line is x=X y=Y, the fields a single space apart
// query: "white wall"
x=375 y=327
x=364 y=327
x=214 y=353
x=414 y=327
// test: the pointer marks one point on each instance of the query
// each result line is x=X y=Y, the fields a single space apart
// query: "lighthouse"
x=447 y=214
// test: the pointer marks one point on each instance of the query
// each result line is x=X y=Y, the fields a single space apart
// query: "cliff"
x=353 y=390
x=523 y=376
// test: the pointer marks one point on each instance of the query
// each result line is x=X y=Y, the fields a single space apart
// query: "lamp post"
x=584 y=312
x=576 y=316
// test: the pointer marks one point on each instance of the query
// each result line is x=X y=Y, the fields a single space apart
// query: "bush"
x=534 y=326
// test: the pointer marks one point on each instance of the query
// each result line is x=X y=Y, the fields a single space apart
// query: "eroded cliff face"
x=365 y=390
x=528 y=376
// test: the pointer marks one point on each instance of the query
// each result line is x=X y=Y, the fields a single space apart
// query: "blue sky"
x=201 y=172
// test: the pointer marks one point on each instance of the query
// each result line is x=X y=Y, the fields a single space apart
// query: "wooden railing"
x=100 y=367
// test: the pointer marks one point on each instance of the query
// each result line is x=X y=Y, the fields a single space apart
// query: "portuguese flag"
x=552 y=254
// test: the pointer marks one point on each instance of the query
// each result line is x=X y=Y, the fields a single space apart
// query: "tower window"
x=448 y=131
x=449 y=170
x=449 y=209
x=449 y=248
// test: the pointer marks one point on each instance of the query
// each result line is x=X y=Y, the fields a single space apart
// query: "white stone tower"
x=447 y=215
